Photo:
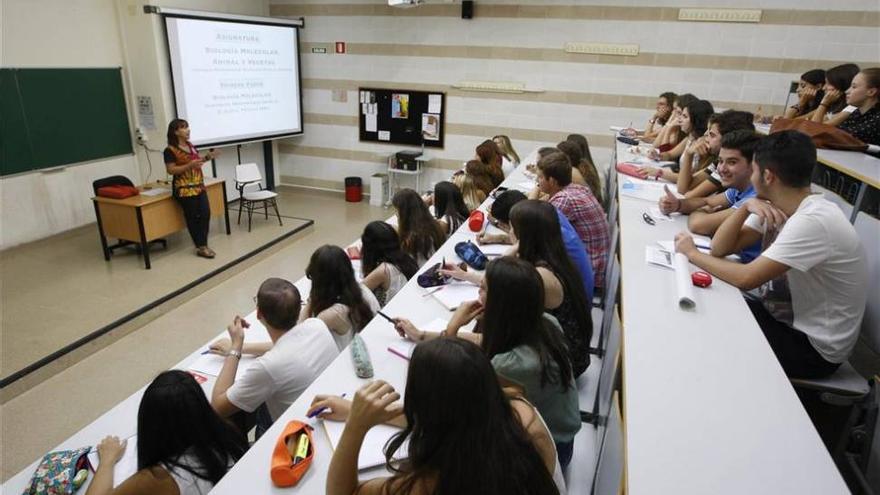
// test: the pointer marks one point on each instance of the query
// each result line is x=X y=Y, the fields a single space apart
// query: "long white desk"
x=708 y=408
x=251 y=473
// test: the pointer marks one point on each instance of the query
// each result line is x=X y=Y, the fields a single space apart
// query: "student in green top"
x=526 y=347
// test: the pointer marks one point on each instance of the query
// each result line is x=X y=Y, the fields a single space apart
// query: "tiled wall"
x=430 y=47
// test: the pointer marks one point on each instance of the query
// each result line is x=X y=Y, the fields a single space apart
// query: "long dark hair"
x=333 y=282
x=536 y=226
x=449 y=202
x=173 y=126
x=840 y=77
x=420 y=234
x=588 y=171
x=381 y=244
x=462 y=429
x=176 y=420
x=514 y=316
x=699 y=112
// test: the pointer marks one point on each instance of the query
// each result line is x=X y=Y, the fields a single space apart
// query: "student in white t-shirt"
x=297 y=355
x=812 y=272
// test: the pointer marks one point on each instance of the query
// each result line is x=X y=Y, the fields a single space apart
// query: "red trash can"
x=354 y=189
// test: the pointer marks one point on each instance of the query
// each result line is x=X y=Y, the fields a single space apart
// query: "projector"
x=405 y=4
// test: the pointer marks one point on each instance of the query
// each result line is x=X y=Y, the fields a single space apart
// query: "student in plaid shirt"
x=579 y=205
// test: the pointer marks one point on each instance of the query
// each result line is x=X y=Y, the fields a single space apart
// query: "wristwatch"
x=234 y=353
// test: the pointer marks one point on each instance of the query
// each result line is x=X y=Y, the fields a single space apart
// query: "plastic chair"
x=846 y=387
x=247 y=174
x=608 y=300
x=121 y=180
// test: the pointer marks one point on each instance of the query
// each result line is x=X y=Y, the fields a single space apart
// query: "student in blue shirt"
x=734 y=168
x=499 y=215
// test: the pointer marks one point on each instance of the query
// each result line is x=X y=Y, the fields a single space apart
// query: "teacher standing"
x=183 y=161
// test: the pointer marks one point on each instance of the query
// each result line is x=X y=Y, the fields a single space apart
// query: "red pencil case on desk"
x=630 y=169
x=117 y=192
x=353 y=252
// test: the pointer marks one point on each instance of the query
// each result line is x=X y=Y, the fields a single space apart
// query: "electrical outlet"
x=141 y=137
x=628 y=49
x=719 y=15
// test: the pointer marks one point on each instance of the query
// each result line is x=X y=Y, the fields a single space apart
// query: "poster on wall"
x=399 y=106
x=431 y=126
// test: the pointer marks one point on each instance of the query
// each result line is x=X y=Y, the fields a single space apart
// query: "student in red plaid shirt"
x=579 y=205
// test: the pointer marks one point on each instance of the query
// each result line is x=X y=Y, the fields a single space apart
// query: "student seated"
x=537 y=238
x=812 y=273
x=670 y=141
x=587 y=160
x=490 y=159
x=466 y=435
x=832 y=109
x=809 y=93
x=499 y=216
x=863 y=94
x=526 y=347
x=579 y=206
x=509 y=158
x=420 y=233
x=694 y=122
x=695 y=177
x=662 y=113
x=580 y=169
x=473 y=196
x=449 y=207
x=384 y=265
x=480 y=175
x=296 y=356
x=183 y=447
x=735 y=170
x=336 y=298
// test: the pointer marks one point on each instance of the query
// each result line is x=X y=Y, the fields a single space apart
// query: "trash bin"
x=354 y=189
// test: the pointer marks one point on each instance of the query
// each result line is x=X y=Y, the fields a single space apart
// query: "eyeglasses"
x=255 y=300
x=648 y=219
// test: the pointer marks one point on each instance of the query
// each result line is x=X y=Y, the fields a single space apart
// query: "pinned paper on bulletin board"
x=435 y=103
x=399 y=106
x=384 y=135
x=371 y=124
x=362 y=97
x=431 y=126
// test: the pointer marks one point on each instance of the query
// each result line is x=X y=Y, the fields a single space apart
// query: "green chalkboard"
x=51 y=117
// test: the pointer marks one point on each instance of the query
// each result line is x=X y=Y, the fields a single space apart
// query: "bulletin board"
x=402 y=116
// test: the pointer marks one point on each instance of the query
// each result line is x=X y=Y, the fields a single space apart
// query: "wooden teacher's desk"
x=144 y=218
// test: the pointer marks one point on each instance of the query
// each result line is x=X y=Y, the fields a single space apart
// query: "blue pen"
x=320 y=411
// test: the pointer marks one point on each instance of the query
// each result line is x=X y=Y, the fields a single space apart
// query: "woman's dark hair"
x=382 y=245
x=333 y=282
x=178 y=429
x=699 y=112
x=489 y=153
x=574 y=152
x=420 y=234
x=449 y=202
x=500 y=208
x=840 y=77
x=462 y=429
x=173 y=126
x=684 y=100
x=584 y=146
x=536 y=226
x=814 y=76
x=514 y=316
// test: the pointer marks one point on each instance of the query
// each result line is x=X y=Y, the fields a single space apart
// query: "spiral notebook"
x=373 y=449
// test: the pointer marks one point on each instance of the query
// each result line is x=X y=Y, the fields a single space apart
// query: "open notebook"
x=373 y=449
x=452 y=295
x=126 y=466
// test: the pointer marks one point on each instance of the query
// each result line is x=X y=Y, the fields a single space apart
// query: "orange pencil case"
x=284 y=472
